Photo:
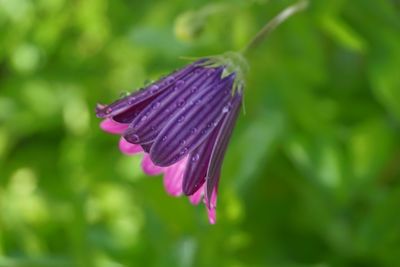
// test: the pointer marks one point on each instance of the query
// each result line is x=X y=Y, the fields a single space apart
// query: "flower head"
x=182 y=123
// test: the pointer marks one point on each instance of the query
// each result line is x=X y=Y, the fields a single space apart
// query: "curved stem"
x=273 y=23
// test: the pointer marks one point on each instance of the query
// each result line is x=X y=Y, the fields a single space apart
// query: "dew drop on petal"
x=164 y=138
x=183 y=151
x=134 y=138
x=180 y=83
x=131 y=99
x=155 y=105
x=210 y=72
x=226 y=108
x=181 y=118
x=180 y=103
x=193 y=130
x=170 y=80
x=143 y=118
x=108 y=110
x=182 y=142
x=195 y=157
x=154 y=89
x=194 y=89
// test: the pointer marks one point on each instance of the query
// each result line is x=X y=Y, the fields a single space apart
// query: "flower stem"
x=273 y=23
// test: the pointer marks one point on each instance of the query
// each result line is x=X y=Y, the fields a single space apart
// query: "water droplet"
x=195 y=157
x=164 y=138
x=181 y=118
x=143 y=118
x=209 y=125
x=108 y=110
x=180 y=83
x=227 y=108
x=198 y=71
x=180 y=103
x=154 y=89
x=152 y=128
x=134 y=138
x=194 y=130
x=183 y=151
x=210 y=72
x=194 y=89
x=155 y=105
x=203 y=131
x=170 y=80
x=182 y=142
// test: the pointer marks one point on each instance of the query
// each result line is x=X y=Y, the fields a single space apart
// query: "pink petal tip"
x=128 y=148
x=149 y=167
x=195 y=199
x=173 y=178
x=113 y=127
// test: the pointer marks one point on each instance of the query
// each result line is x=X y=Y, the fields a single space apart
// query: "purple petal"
x=197 y=166
x=138 y=97
x=221 y=145
x=192 y=125
x=173 y=178
x=146 y=126
x=111 y=126
x=132 y=112
x=149 y=167
x=128 y=148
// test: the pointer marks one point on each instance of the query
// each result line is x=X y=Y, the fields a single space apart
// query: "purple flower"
x=182 y=123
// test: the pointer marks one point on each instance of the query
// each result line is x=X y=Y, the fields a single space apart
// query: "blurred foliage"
x=312 y=174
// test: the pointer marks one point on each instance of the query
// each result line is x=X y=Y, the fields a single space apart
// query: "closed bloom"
x=182 y=124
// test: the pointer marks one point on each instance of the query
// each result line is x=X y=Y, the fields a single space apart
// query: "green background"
x=311 y=177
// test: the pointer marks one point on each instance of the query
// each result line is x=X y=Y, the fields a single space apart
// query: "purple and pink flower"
x=182 y=124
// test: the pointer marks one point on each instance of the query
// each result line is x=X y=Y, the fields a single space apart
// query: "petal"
x=149 y=167
x=221 y=145
x=128 y=148
x=197 y=166
x=197 y=196
x=146 y=126
x=192 y=125
x=111 y=126
x=211 y=207
x=133 y=111
x=137 y=97
x=173 y=178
